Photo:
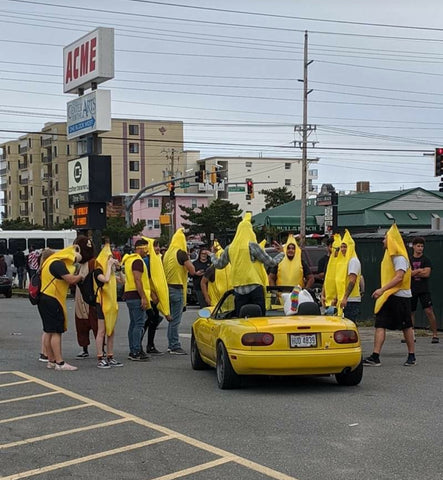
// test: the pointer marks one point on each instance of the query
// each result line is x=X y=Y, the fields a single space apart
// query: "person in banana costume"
x=177 y=265
x=292 y=270
x=393 y=299
x=138 y=298
x=329 y=290
x=105 y=284
x=216 y=282
x=247 y=259
x=347 y=279
x=57 y=274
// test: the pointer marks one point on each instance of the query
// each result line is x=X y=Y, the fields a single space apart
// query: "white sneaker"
x=50 y=365
x=65 y=366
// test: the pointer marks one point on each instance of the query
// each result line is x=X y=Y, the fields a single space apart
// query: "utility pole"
x=305 y=128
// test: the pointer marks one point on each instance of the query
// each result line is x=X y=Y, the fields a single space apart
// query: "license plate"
x=302 y=340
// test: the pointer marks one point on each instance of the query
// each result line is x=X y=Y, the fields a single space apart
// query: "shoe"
x=410 y=362
x=50 y=365
x=103 y=363
x=177 y=351
x=82 y=354
x=114 y=363
x=435 y=340
x=42 y=358
x=153 y=351
x=371 y=361
x=139 y=357
x=65 y=366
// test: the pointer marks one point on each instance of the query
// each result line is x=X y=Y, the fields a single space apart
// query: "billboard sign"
x=78 y=176
x=88 y=60
x=89 y=113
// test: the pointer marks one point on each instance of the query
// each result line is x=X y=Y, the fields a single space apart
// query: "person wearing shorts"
x=394 y=296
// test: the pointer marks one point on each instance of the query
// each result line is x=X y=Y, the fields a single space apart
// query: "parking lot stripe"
x=197 y=468
x=38 y=395
x=88 y=458
x=64 y=432
x=49 y=412
x=21 y=382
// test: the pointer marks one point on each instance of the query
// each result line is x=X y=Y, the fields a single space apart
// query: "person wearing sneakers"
x=137 y=296
x=393 y=298
x=421 y=271
x=105 y=284
x=57 y=274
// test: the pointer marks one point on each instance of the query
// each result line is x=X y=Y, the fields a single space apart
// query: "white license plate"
x=302 y=340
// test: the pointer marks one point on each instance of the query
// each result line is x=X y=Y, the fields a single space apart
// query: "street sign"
x=236 y=189
x=184 y=185
x=324 y=199
x=211 y=187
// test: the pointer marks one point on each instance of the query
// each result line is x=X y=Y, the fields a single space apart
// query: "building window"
x=389 y=216
x=68 y=149
x=30 y=158
x=153 y=224
x=55 y=151
x=288 y=182
x=287 y=166
x=248 y=164
x=134 y=148
x=134 y=165
x=29 y=143
x=134 y=184
x=57 y=203
x=56 y=168
x=193 y=203
x=153 y=202
x=9 y=149
x=56 y=186
x=32 y=191
x=413 y=216
x=133 y=129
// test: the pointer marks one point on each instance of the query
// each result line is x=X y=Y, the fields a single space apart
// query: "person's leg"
x=426 y=302
x=200 y=299
x=131 y=308
x=99 y=339
x=352 y=311
x=82 y=326
x=46 y=338
x=379 y=339
x=137 y=331
x=56 y=346
x=257 y=297
x=176 y=308
x=409 y=337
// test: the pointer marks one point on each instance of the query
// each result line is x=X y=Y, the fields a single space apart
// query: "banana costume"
x=175 y=273
x=341 y=271
x=394 y=246
x=130 y=285
x=107 y=294
x=58 y=288
x=290 y=272
x=158 y=282
x=329 y=284
x=222 y=282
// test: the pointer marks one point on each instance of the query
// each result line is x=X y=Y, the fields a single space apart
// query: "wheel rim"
x=220 y=367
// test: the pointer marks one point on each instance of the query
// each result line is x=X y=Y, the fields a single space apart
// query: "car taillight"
x=257 y=339
x=346 y=336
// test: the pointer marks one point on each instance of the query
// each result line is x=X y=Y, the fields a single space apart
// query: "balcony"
x=24 y=196
x=23 y=165
x=46 y=177
x=46 y=142
x=24 y=211
x=47 y=159
x=22 y=149
x=47 y=192
x=3 y=171
x=23 y=181
x=3 y=186
x=3 y=202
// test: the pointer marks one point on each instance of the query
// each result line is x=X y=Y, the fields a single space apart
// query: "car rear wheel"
x=350 y=379
x=196 y=359
x=226 y=376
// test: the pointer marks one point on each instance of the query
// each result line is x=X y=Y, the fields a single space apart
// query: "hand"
x=277 y=246
x=168 y=318
x=343 y=303
x=144 y=302
x=199 y=273
x=377 y=293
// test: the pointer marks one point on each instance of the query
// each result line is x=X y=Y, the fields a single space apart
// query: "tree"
x=19 y=224
x=117 y=231
x=66 y=224
x=277 y=196
x=221 y=218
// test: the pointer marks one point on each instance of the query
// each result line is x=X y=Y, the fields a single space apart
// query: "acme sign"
x=89 y=60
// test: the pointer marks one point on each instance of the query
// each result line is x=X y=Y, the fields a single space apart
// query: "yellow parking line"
x=197 y=468
x=76 y=461
x=64 y=432
x=18 y=399
x=49 y=412
x=21 y=382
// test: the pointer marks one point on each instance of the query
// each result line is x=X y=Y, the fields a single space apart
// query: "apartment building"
x=33 y=168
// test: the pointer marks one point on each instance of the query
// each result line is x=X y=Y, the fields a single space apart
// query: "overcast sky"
x=229 y=70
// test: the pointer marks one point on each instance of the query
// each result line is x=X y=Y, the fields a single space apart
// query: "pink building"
x=150 y=208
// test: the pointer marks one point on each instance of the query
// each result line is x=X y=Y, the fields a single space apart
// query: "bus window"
x=16 y=244
x=55 y=243
x=3 y=246
x=37 y=243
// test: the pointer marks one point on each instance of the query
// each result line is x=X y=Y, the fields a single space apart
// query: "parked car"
x=274 y=344
x=6 y=286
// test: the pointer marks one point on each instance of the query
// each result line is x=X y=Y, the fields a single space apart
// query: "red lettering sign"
x=68 y=68
x=75 y=62
x=84 y=57
x=93 y=54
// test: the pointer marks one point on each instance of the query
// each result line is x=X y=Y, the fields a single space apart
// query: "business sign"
x=90 y=216
x=78 y=176
x=88 y=60
x=89 y=113
x=209 y=187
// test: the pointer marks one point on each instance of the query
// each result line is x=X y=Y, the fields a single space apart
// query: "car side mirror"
x=204 y=313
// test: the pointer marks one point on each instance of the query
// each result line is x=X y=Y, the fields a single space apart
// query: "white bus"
x=12 y=241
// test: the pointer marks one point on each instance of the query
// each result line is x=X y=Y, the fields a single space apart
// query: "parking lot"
x=162 y=420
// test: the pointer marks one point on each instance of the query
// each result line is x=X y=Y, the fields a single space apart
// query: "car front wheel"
x=8 y=294
x=196 y=359
x=350 y=379
x=226 y=376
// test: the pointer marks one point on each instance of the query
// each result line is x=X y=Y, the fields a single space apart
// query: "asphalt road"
x=162 y=420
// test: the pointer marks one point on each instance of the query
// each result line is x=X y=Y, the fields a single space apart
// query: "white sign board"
x=205 y=187
x=89 y=113
x=88 y=59
x=78 y=176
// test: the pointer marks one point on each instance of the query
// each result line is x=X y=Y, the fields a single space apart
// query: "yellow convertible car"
x=275 y=344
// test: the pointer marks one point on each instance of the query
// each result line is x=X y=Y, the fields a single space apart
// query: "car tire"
x=350 y=379
x=8 y=294
x=226 y=376
x=196 y=359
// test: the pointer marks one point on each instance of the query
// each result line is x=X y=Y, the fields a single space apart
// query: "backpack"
x=86 y=287
x=35 y=287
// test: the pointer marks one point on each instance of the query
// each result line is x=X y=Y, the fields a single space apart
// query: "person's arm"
x=260 y=255
x=72 y=279
x=352 y=278
x=222 y=260
x=139 y=286
x=109 y=270
x=204 y=287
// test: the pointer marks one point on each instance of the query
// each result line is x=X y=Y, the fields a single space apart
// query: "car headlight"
x=257 y=339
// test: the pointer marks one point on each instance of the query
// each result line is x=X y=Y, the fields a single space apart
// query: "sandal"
x=435 y=340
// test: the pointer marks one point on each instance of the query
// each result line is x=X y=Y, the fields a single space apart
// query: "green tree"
x=19 y=224
x=277 y=196
x=221 y=218
x=117 y=231
x=66 y=224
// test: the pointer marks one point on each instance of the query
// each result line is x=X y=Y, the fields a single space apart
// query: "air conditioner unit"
x=149 y=227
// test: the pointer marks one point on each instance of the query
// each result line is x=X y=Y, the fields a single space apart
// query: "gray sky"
x=231 y=74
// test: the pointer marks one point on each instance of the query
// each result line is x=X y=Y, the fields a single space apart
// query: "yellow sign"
x=165 y=219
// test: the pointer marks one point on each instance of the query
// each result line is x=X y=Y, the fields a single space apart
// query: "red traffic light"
x=438 y=161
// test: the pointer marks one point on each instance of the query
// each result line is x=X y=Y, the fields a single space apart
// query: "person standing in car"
x=201 y=264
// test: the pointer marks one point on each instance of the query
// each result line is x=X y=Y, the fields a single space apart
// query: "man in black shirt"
x=201 y=264
x=323 y=262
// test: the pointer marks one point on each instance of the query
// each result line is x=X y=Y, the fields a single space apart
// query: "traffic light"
x=171 y=188
x=200 y=175
x=218 y=176
x=438 y=161
x=249 y=189
x=213 y=175
x=440 y=189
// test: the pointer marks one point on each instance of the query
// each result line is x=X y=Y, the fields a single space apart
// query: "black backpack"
x=87 y=290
